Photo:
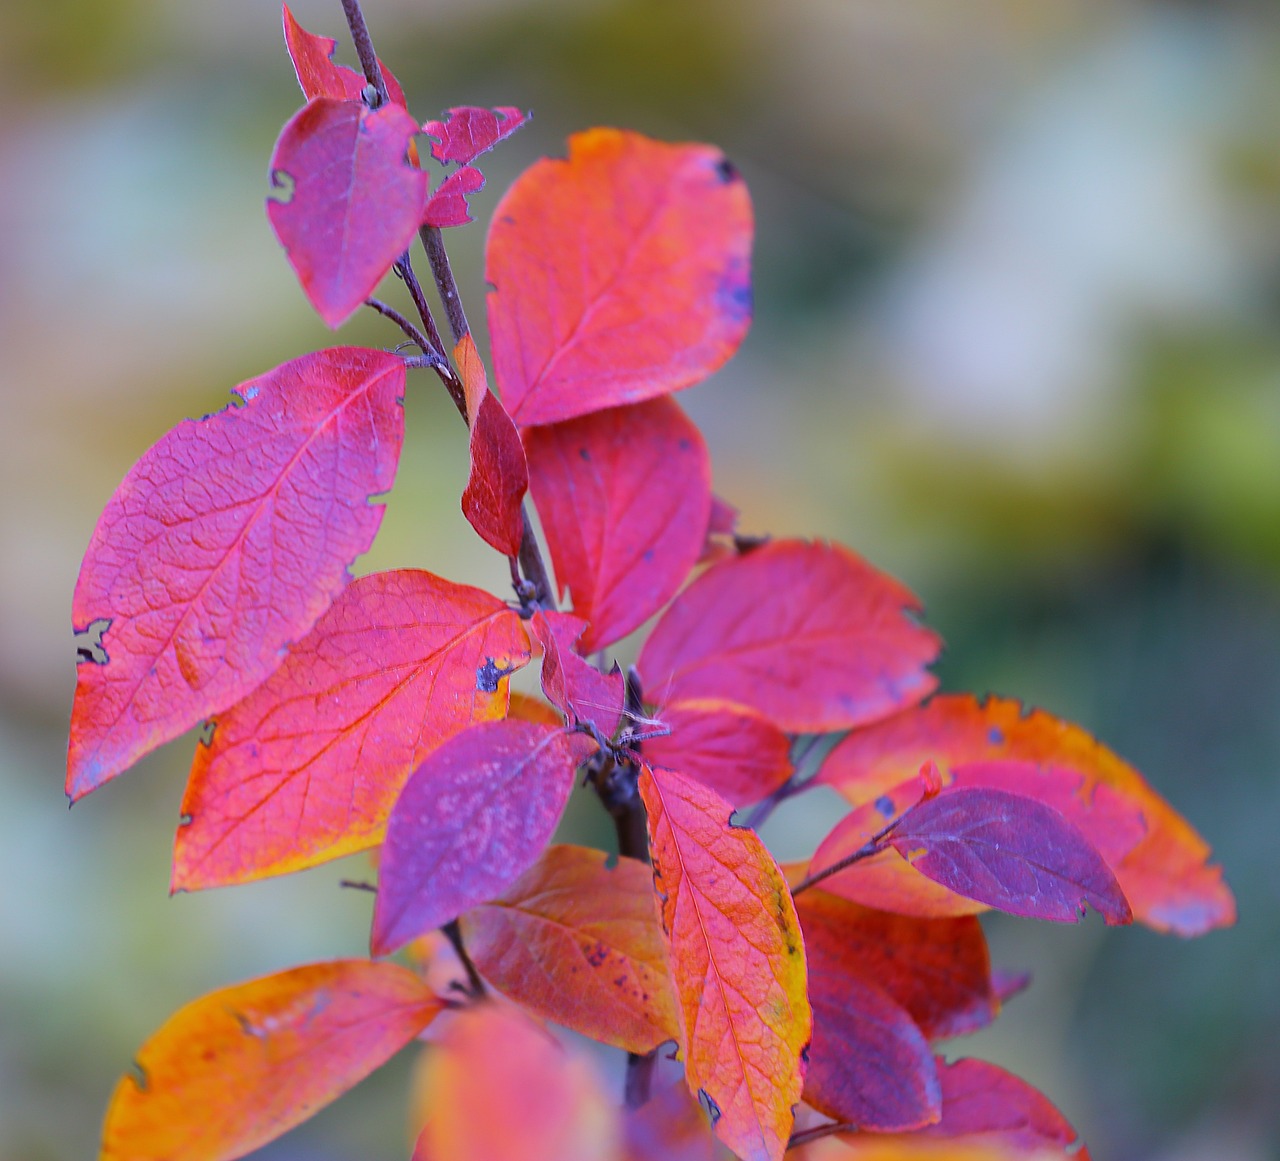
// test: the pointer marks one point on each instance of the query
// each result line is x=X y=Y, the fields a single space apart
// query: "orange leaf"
x=240 y=1066
x=655 y=293
x=1166 y=875
x=499 y=1088
x=577 y=942
x=308 y=766
x=737 y=958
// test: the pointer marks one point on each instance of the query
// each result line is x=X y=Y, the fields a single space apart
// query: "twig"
x=364 y=50
x=818 y=1132
x=873 y=846
x=414 y=335
x=433 y=244
x=533 y=566
x=453 y=933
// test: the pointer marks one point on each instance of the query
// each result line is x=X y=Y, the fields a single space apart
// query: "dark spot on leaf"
x=647 y=556
x=734 y=296
x=489 y=674
x=709 y=1106
x=884 y=804
x=283 y=187
x=207 y=730
x=584 y=454
x=186 y=819
x=995 y=736
x=596 y=955
x=620 y=982
x=727 y=171
x=138 y=1074
x=89 y=645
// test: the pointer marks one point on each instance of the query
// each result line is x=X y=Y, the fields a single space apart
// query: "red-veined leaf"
x=577 y=942
x=499 y=1088
x=225 y=543
x=671 y=1127
x=318 y=73
x=1166 y=876
x=499 y=476
x=468 y=131
x=869 y=1065
x=469 y=822
x=658 y=294
x=1010 y=852
x=240 y=1066
x=735 y=750
x=572 y=684
x=354 y=201
x=737 y=959
x=808 y=634
x=938 y=970
x=307 y=767
x=624 y=496
x=448 y=205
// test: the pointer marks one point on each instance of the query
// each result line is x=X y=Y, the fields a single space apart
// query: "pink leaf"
x=448 y=205
x=318 y=73
x=573 y=685
x=468 y=131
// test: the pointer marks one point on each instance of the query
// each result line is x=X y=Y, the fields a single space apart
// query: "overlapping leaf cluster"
x=351 y=714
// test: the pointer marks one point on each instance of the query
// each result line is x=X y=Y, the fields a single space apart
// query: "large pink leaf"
x=307 y=767
x=469 y=822
x=808 y=634
x=656 y=291
x=1010 y=852
x=225 y=543
x=353 y=202
x=624 y=496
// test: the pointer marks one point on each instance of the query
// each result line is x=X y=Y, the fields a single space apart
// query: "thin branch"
x=364 y=50
x=818 y=1132
x=453 y=933
x=414 y=335
x=404 y=271
x=433 y=244
x=873 y=846
x=639 y=1079
x=533 y=566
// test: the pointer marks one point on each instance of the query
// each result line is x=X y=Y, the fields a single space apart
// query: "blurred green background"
x=1017 y=341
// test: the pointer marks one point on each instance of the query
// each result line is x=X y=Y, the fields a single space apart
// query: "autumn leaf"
x=225 y=543
x=499 y=475
x=1166 y=875
x=572 y=684
x=809 y=635
x=448 y=206
x=624 y=496
x=577 y=942
x=469 y=822
x=659 y=292
x=1010 y=852
x=351 y=201
x=318 y=73
x=737 y=959
x=307 y=767
x=499 y=1088
x=240 y=1066
x=731 y=748
x=468 y=131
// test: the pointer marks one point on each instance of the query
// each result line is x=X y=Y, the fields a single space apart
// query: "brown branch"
x=433 y=244
x=453 y=933
x=818 y=1132
x=415 y=336
x=364 y=50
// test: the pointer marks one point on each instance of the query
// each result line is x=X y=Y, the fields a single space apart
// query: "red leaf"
x=737 y=959
x=1010 y=852
x=318 y=73
x=808 y=634
x=624 y=496
x=499 y=1088
x=226 y=542
x=499 y=475
x=578 y=942
x=469 y=822
x=671 y=1127
x=869 y=1064
x=448 y=205
x=355 y=202
x=240 y=1066
x=1166 y=876
x=308 y=766
x=467 y=131
x=936 y=969
x=575 y=686
x=657 y=294
x=734 y=750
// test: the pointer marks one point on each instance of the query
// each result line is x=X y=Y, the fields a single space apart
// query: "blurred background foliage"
x=1018 y=296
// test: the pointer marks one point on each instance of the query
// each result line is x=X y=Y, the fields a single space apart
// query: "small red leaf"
x=469 y=822
x=354 y=204
x=578 y=942
x=448 y=205
x=721 y=529
x=808 y=634
x=1166 y=876
x=318 y=73
x=225 y=543
x=499 y=475
x=657 y=296
x=575 y=686
x=737 y=959
x=869 y=1065
x=936 y=969
x=624 y=496
x=240 y=1066
x=1010 y=852
x=468 y=131
x=734 y=750
x=307 y=767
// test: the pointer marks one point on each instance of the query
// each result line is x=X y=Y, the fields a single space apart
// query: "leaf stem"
x=414 y=335
x=364 y=50
x=873 y=846
x=818 y=1132
x=476 y=987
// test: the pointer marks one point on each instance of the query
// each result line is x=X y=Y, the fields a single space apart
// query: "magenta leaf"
x=573 y=685
x=448 y=205
x=468 y=131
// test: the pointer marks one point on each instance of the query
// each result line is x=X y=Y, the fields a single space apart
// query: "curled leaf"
x=572 y=684
x=318 y=73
